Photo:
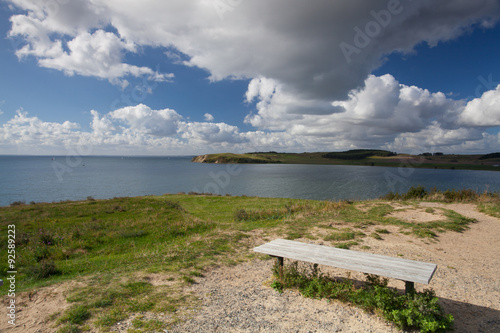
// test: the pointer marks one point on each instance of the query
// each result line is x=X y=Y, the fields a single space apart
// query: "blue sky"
x=181 y=78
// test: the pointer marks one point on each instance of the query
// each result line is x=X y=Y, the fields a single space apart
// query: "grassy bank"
x=114 y=249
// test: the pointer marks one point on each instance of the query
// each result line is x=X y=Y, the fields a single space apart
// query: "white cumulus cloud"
x=294 y=42
x=143 y=119
x=208 y=117
x=69 y=36
x=483 y=111
x=99 y=54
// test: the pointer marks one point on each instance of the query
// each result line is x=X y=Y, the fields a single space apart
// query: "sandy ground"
x=239 y=299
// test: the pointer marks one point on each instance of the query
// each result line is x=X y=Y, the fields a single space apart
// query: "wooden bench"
x=409 y=271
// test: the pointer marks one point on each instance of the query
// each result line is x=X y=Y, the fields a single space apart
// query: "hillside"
x=363 y=157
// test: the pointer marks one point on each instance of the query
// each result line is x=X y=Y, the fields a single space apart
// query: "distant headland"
x=367 y=157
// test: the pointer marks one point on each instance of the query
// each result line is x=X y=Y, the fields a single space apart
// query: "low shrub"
x=463 y=195
x=241 y=215
x=43 y=270
x=41 y=253
x=419 y=310
x=417 y=192
x=46 y=238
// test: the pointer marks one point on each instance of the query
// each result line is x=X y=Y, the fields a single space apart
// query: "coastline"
x=441 y=162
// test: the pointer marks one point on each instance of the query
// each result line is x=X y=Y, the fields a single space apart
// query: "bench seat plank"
x=397 y=268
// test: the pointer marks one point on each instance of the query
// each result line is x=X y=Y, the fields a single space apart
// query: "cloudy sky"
x=153 y=77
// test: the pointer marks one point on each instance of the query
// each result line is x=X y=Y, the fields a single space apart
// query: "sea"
x=52 y=179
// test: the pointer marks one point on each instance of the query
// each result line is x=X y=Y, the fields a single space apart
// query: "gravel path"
x=236 y=300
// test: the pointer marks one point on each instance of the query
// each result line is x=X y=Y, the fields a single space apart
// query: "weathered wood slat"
x=397 y=268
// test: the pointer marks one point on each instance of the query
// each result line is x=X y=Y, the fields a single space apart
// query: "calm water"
x=44 y=179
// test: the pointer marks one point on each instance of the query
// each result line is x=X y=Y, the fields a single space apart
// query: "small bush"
x=188 y=279
x=460 y=195
x=241 y=215
x=41 y=253
x=419 y=311
x=43 y=270
x=174 y=205
x=463 y=195
x=278 y=286
x=23 y=239
x=417 y=192
x=391 y=196
x=46 y=238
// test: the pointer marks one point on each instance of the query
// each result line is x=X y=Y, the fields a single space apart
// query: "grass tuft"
x=77 y=315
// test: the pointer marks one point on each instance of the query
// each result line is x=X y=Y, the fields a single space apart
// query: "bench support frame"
x=409 y=271
x=409 y=286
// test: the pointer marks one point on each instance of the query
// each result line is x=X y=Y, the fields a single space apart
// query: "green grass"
x=341 y=236
x=114 y=247
x=490 y=208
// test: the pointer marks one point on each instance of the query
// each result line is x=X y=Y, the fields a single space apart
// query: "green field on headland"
x=112 y=249
x=365 y=157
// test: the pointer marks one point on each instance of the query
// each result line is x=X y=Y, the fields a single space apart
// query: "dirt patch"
x=418 y=215
x=33 y=309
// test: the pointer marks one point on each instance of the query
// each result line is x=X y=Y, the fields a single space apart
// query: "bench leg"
x=409 y=287
x=280 y=264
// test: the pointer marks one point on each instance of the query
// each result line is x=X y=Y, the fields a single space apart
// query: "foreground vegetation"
x=419 y=310
x=365 y=157
x=113 y=250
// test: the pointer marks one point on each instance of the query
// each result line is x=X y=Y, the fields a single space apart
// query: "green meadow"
x=112 y=248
